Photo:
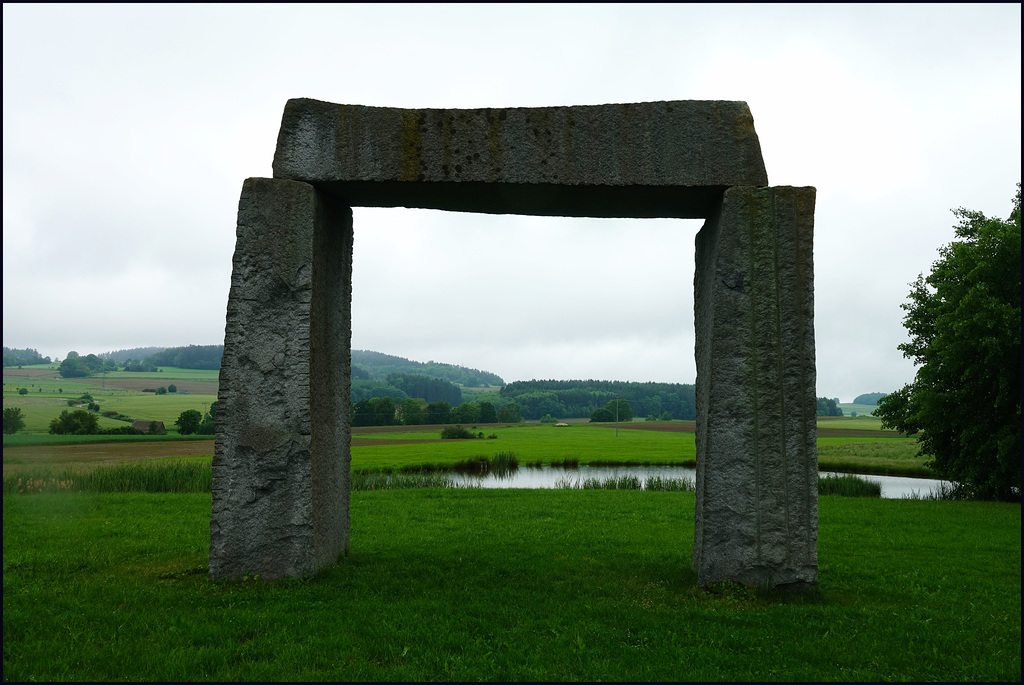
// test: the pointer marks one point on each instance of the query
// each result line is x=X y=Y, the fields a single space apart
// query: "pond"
x=893 y=487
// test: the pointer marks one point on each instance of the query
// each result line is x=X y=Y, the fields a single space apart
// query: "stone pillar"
x=757 y=461
x=281 y=467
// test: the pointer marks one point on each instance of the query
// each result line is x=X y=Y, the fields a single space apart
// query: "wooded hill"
x=579 y=398
x=367 y=364
x=15 y=357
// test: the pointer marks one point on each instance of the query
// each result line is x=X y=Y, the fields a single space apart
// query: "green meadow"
x=599 y=445
x=540 y=585
x=48 y=395
x=860 y=410
x=105 y=572
x=531 y=442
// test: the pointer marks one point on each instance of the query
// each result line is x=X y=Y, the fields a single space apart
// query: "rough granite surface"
x=757 y=463
x=281 y=458
x=648 y=159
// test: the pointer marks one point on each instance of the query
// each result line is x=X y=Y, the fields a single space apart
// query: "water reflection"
x=893 y=487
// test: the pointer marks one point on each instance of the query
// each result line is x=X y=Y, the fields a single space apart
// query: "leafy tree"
x=509 y=413
x=172 y=388
x=620 y=410
x=383 y=411
x=439 y=412
x=207 y=427
x=209 y=424
x=829 y=407
x=964 y=323
x=602 y=415
x=487 y=413
x=78 y=422
x=362 y=413
x=467 y=412
x=188 y=422
x=72 y=367
x=161 y=390
x=22 y=391
x=14 y=421
x=409 y=412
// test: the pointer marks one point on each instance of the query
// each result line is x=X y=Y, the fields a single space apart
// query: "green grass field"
x=593 y=444
x=507 y=585
x=860 y=409
x=530 y=442
x=48 y=395
x=589 y=444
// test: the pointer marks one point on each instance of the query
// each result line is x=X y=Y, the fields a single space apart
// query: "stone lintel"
x=649 y=159
x=757 y=468
x=281 y=457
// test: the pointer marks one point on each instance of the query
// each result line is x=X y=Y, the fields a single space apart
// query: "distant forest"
x=579 y=398
x=121 y=356
x=147 y=359
x=869 y=398
x=13 y=357
x=377 y=365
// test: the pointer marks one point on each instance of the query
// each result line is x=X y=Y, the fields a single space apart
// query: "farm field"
x=396 y=447
x=539 y=585
x=118 y=391
x=850 y=408
x=844 y=443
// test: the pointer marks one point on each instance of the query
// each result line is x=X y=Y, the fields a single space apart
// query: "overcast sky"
x=128 y=132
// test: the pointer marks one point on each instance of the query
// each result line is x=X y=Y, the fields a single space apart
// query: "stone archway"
x=281 y=470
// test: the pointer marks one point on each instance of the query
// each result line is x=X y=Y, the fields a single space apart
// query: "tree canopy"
x=188 y=422
x=78 y=422
x=14 y=420
x=829 y=406
x=964 y=325
x=581 y=398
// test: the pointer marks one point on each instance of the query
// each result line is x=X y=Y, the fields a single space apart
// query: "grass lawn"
x=507 y=585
